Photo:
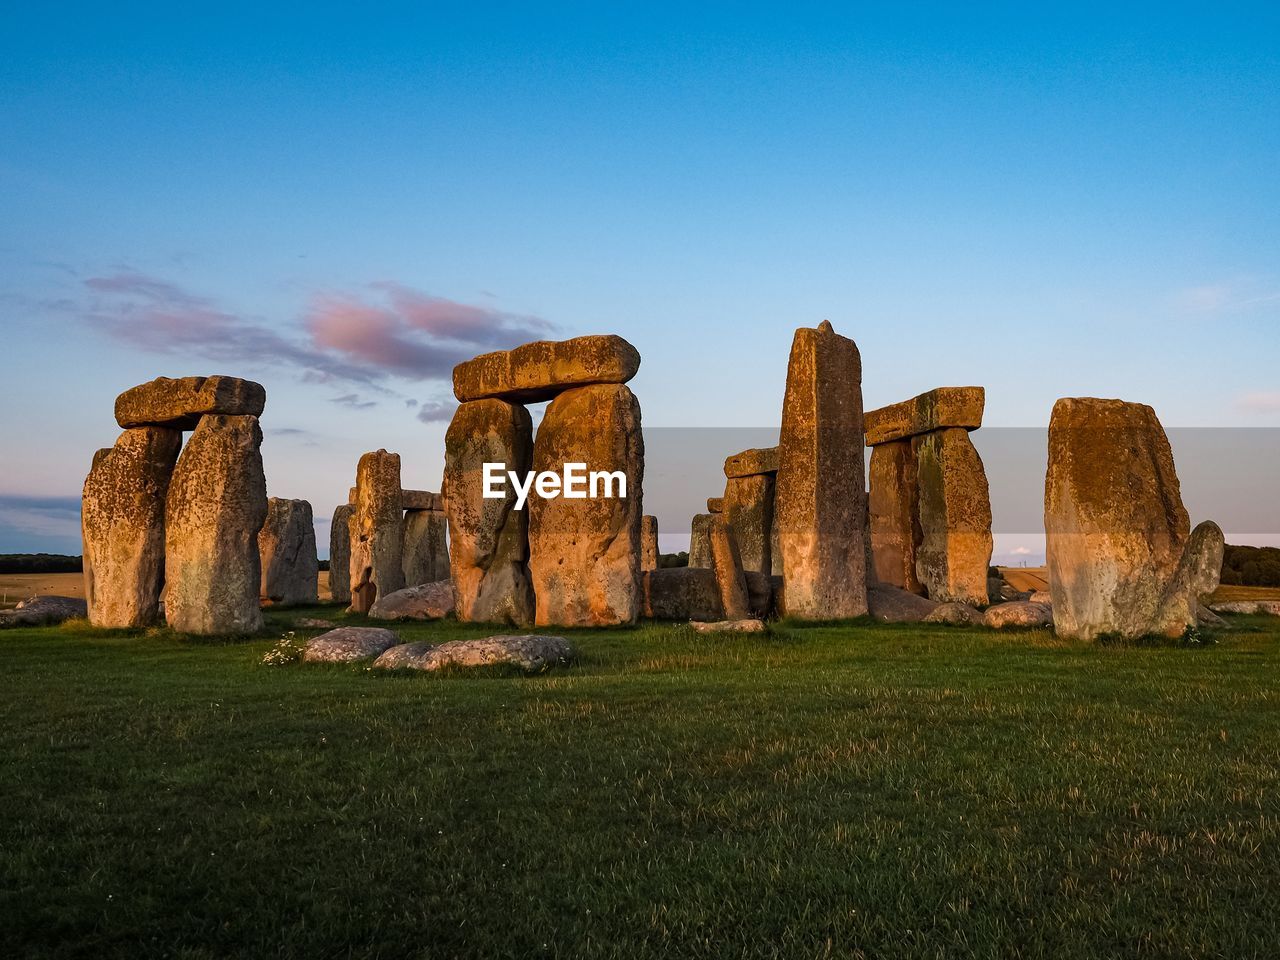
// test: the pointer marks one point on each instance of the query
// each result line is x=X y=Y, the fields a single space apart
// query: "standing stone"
x=584 y=554
x=892 y=516
x=376 y=532
x=426 y=551
x=122 y=521
x=748 y=508
x=216 y=505
x=775 y=547
x=340 y=554
x=700 y=541
x=287 y=548
x=727 y=565
x=955 y=517
x=648 y=542
x=820 y=496
x=181 y=403
x=488 y=537
x=1122 y=560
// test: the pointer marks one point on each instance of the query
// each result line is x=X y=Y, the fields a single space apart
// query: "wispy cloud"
x=354 y=401
x=1224 y=297
x=437 y=411
x=1260 y=401
x=52 y=517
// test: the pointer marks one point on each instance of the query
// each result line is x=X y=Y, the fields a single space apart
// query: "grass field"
x=847 y=790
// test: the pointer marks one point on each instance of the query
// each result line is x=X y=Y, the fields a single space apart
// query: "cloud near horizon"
x=1260 y=401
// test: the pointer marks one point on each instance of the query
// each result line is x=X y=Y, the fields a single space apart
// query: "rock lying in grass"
x=347 y=644
x=895 y=605
x=1207 y=618
x=956 y=613
x=313 y=623
x=426 y=601
x=531 y=653
x=729 y=626
x=1269 y=607
x=43 y=612
x=1040 y=596
x=1019 y=613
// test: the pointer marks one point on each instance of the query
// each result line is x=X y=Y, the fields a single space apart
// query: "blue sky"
x=341 y=201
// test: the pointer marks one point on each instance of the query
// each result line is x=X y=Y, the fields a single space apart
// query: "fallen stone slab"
x=1207 y=618
x=314 y=623
x=760 y=461
x=542 y=370
x=1268 y=607
x=729 y=626
x=1038 y=596
x=181 y=403
x=426 y=601
x=403 y=656
x=43 y=612
x=1019 y=613
x=348 y=644
x=957 y=614
x=895 y=605
x=936 y=410
x=532 y=653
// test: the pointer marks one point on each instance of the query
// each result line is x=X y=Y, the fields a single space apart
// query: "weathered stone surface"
x=542 y=370
x=347 y=644
x=938 y=409
x=216 y=505
x=488 y=537
x=715 y=504
x=584 y=554
x=959 y=614
x=1000 y=590
x=775 y=547
x=43 y=611
x=895 y=605
x=761 y=593
x=820 y=496
x=424 y=547
x=892 y=515
x=530 y=653
x=648 y=542
x=727 y=566
x=423 y=601
x=122 y=522
x=403 y=656
x=1019 y=613
x=181 y=403
x=377 y=532
x=1121 y=558
x=340 y=554
x=313 y=623
x=287 y=551
x=1207 y=618
x=682 y=593
x=1039 y=596
x=1268 y=607
x=729 y=626
x=411 y=499
x=748 y=509
x=761 y=461
x=954 y=509
x=700 y=541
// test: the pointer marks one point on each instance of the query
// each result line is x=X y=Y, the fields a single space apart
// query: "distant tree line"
x=39 y=563
x=1251 y=566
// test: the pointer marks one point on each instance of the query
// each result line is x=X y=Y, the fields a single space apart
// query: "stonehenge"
x=425 y=550
x=543 y=370
x=340 y=554
x=929 y=504
x=287 y=550
x=648 y=542
x=700 y=541
x=748 y=505
x=181 y=403
x=376 y=562
x=820 y=497
x=1123 y=560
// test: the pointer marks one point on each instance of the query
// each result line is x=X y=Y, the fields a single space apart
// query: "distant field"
x=19 y=586
x=849 y=790
x=1026 y=578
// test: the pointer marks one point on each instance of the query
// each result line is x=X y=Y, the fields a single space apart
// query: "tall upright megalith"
x=216 y=504
x=584 y=552
x=648 y=542
x=820 y=497
x=122 y=521
x=376 y=531
x=287 y=548
x=892 y=515
x=1122 y=558
x=749 y=504
x=488 y=537
x=340 y=554
x=426 y=547
x=954 y=506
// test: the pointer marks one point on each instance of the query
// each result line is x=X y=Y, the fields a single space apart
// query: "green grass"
x=846 y=790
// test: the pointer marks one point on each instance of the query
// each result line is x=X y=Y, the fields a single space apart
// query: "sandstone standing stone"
x=682 y=593
x=340 y=554
x=488 y=538
x=1122 y=560
x=892 y=515
x=376 y=531
x=954 y=509
x=584 y=554
x=715 y=504
x=936 y=410
x=425 y=547
x=820 y=496
x=539 y=371
x=216 y=505
x=287 y=548
x=181 y=403
x=423 y=601
x=700 y=541
x=122 y=521
x=727 y=564
x=648 y=542
x=748 y=508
